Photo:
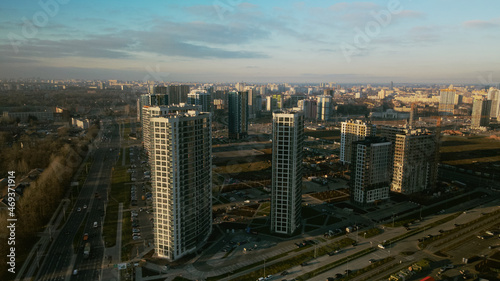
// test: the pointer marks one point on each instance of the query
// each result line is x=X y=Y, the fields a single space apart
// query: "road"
x=61 y=259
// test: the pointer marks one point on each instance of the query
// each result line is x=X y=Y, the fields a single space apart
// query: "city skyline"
x=221 y=41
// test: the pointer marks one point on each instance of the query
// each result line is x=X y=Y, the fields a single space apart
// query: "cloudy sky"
x=436 y=41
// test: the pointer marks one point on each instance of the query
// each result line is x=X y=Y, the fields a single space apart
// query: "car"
x=75 y=271
x=371 y=260
x=284 y=273
x=136 y=237
x=136 y=230
x=79 y=209
x=95 y=224
x=85 y=206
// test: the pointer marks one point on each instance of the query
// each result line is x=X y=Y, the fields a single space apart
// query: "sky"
x=405 y=41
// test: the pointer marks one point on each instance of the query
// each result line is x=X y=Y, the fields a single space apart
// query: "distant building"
x=181 y=169
x=415 y=161
x=351 y=131
x=494 y=97
x=324 y=108
x=481 y=113
x=25 y=116
x=237 y=115
x=156 y=99
x=80 y=123
x=309 y=107
x=370 y=170
x=177 y=94
x=448 y=101
x=286 y=191
x=201 y=98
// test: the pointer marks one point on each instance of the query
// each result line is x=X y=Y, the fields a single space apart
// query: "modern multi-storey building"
x=448 y=101
x=201 y=98
x=324 y=108
x=415 y=161
x=371 y=170
x=149 y=112
x=309 y=107
x=237 y=115
x=351 y=131
x=159 y=99
x=178 y=93
x=182 y=182
x=481 y=113
x=494 y=96
x=286 y=191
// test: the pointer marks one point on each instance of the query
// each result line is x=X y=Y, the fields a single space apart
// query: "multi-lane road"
x=62 y=259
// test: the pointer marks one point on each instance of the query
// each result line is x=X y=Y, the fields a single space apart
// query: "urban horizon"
x=231 y=40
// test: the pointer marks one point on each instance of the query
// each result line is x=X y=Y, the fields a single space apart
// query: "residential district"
x=142 y=180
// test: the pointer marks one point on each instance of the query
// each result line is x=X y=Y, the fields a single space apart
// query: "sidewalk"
x=112 y=255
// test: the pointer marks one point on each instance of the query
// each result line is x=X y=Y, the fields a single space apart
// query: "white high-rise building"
x=286 y=191
x=371 y=170
x=351 y=131
x=181 y=169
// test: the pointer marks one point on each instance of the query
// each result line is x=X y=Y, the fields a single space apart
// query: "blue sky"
x=435 y=41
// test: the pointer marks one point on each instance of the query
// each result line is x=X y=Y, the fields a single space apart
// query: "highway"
x=61 y=259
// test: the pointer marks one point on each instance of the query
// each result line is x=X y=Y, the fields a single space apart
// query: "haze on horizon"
x=438 y=41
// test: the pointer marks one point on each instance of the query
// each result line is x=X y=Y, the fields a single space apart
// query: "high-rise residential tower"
x=156 y=99
x=324 y=108
x=182 y=182
x=448 y=101
x=286 y=191
x=494 y=96
x=481 y=109
x=237 y=115
x=201 y=98
x=415 y=161
x=177 y=93
x=371 y=170
x=351 y=131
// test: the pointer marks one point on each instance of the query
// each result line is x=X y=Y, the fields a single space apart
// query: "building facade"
x=448 y=101
x=182 y=182
x=286 y=191
x=415 y=161
x=371 y=170
x=237 y=115
x=156 y=99
x=324 y=108
x=494 y=97
x=201 y=98
x=351 y=131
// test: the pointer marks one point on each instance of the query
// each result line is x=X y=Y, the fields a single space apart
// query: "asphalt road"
x=60 y=261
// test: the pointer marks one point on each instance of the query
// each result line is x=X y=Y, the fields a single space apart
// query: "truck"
x=86 y=250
